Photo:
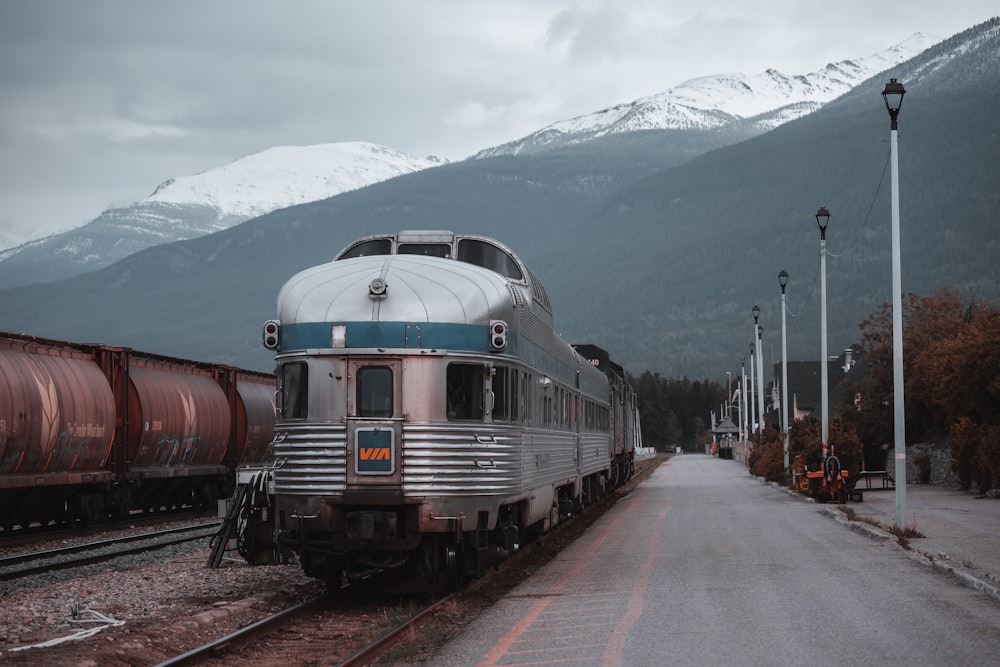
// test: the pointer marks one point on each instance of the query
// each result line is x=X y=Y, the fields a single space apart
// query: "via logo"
x=375 y=453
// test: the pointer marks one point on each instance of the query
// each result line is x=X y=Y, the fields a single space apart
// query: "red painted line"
x=501 y=647
x=615 y=647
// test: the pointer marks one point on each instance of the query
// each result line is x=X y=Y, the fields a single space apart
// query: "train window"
x=369 y=247
x=465 y=391
x=515 y=396
x=374 y=389
x=489 y=256
x=294 y=390
x=528 y=392
x=501 y=400
x=428 y=249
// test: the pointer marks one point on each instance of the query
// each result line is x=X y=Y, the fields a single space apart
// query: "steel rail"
x=245 y=632
x=35 y=556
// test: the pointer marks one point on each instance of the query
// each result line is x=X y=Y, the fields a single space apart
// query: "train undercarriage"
x=80 y=505
x=353 y=543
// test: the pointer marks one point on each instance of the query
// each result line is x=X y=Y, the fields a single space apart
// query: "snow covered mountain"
x=284 y=176
x=768 y=99
x=190 y=206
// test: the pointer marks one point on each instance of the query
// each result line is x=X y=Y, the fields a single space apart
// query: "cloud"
x=121 y=95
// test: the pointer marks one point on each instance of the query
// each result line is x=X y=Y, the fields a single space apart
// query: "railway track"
x=356 y=627
x=18 y=538
x=36 y=562
x=345 y=630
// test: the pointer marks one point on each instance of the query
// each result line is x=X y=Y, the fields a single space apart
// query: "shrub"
x=767 y=457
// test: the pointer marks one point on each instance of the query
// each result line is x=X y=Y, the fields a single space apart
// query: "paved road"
x=705 y=565
x=960 y=530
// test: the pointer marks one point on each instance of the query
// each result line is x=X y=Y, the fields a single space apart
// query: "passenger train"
x=429 y=417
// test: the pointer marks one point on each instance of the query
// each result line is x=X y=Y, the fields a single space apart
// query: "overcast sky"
x=101 y=101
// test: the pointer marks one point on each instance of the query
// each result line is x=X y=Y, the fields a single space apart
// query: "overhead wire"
x=853 y=242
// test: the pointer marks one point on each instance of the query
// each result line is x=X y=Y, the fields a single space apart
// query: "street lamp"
x=783 y=281
x=823 y=219
x=760 y=376
x=893 y=96
x=755 y=311
x=752 y=426
x=743 y=400
x=729 y=394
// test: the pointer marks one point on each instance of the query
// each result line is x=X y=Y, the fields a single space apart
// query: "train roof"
x=599 y=358
x=396 y=301
x=475 y=249
x=395 y=288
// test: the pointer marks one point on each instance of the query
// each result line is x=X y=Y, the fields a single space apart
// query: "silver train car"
x=429 y=416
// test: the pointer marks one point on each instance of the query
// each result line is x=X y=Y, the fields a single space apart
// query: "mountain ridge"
x=770 y=98
x=654 y=258
x=186 y=207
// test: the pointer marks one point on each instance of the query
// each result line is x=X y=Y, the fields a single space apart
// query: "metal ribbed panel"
x=454 y=462
x=595 y=453
x=461 y=460
x=551 y=458
x=534 y=329
x=311 y=459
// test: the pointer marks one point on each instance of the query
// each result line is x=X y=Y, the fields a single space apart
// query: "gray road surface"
x=704 y=565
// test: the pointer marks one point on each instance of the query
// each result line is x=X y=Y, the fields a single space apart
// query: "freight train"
x=429 y=417
x=90 y=433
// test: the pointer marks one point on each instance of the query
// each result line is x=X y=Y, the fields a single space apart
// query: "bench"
x=867 y=475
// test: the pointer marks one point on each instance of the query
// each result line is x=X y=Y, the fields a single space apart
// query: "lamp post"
x=743 y=400
x=729 y=394
x=752 y=426
x=822 y=219
x=893 y=96
x=760 y=376
x=783 y=281
x=757 y=335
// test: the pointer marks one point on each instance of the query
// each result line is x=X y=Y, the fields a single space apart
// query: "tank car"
x=93 y=432
x=429 y=417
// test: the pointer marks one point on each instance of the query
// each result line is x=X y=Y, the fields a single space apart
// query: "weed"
x=849 y=512
x=903 y=537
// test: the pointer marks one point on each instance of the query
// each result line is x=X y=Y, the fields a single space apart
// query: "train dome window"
x=442 y=250
x=368 y=248
x=489 y=256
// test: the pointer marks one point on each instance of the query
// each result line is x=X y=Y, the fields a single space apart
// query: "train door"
x=374 y=423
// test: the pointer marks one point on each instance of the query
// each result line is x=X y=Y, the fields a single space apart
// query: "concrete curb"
x=872 y=532
x=963 y=576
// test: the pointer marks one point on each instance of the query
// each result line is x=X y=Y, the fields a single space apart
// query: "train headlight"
x=498 y=335
x=272 y=334
x=377 y=288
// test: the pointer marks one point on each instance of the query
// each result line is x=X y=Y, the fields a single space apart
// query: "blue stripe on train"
x=411 y=335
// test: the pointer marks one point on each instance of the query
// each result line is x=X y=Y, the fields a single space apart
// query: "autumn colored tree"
x=951 y=371
x=767 y=456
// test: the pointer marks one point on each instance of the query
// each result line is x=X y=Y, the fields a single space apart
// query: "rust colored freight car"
x=94 y=432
